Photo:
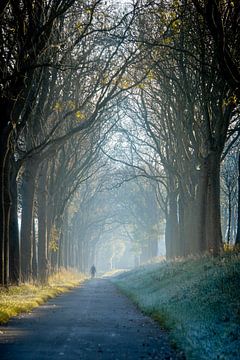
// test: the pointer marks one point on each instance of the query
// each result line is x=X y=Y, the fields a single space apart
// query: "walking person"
x=93 y=271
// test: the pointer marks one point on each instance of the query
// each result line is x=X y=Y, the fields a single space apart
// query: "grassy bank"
x=197 y=300
x=23 y=298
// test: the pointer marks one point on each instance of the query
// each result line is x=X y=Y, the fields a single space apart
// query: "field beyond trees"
x=197 y=300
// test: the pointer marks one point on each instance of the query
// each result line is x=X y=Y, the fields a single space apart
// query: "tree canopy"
x=120 y=125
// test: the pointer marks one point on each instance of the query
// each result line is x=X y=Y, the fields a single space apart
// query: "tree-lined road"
x=94 y=321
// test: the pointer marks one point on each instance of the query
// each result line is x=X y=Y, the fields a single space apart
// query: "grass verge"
x=23 y=298
x=197 y=300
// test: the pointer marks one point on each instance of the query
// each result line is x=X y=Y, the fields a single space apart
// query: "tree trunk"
x=237 y=241
x=183 y=244
x=42 y=225
x=80 y=255
x=5 y=204
x=6 y=219
x=34 y=258
x=172 y=228
x=66 y=249
x=233 y=232
x=60 y=252
x=14 y=249
x=28 y=191
x=201 y=208
x=70 y=252
x=229 y=217
x=190 y=221
x=213 y=221
x=153 y=248
x=66 y=242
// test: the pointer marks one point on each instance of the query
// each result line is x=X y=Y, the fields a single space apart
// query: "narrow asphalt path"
x=93 y=322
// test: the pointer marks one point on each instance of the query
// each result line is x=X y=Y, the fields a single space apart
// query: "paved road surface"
x=93 y=322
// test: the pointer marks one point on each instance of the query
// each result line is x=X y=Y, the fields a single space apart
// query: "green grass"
x=23 y=298
x=197 y=300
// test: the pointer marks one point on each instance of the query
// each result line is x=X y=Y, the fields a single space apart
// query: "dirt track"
x=93 y=322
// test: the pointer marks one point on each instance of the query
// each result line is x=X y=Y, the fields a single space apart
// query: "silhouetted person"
x=93 y=271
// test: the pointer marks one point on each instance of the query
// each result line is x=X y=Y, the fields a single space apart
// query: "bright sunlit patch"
x=114 y=272
x=23 y=298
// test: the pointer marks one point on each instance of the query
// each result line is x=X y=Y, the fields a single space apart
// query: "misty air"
x=120 y=179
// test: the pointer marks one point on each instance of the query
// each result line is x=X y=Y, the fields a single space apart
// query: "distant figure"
x=93 y=271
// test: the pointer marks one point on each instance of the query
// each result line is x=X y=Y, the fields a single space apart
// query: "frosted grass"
x=197 y=300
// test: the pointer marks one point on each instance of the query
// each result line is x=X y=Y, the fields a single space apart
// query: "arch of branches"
x=117 y=119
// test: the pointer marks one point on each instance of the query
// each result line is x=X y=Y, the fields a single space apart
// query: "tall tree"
x=26 y=30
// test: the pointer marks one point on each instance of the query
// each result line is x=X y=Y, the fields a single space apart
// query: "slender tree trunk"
x=56 y=255
x=237 y=241
x=6 y=151
x=66 y=242
x=28 y=191
x=50 y=223
x=65 y=252
x=5 y=205
x=229 y=217
x=7 y=215
x=80 y=254
x=172 y=228
x=60 y=252
x=42 y=225
x=201 y=208
x=34 y=258
x=168 y=238
x=85 y=255
x=233 y=232
x=153 y=248
x=75 y=245
x=182 y=248
x=14 y=249
x=70 y=252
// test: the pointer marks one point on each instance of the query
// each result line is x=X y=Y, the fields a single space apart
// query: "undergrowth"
x=196 y=299
x=23 y=298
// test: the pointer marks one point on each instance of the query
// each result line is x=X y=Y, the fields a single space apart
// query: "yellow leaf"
x=167 y=41
x=57 y=106
x=124 y=83
x=176 y=26
x=232 y=100
x=105 y=80
x=80 y=116
x=150 y=75
x=141 y=86
x=79 y=26
x=88 y=11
